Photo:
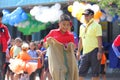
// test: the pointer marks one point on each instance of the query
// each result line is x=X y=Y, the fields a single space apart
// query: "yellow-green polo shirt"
x=89 y=38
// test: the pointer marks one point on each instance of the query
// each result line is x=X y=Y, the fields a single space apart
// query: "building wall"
x=15 y=3
x=116 y=29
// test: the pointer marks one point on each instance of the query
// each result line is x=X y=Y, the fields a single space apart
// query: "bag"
x=1 y=47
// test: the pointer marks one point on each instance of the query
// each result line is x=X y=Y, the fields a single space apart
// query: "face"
x=64 y=26
x=88 y=17
x=18 y=43
x=32 y=46
x=12 y=42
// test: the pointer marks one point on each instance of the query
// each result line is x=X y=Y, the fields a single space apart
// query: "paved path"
x=111 y=74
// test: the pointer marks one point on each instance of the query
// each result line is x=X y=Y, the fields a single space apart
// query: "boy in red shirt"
x=62 y=34
x=62 y=63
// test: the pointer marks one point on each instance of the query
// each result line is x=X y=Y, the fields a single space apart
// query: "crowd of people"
x=30 y=61
x=54 y=57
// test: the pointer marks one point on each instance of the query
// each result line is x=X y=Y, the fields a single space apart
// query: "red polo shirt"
x=59 y=36
x=117 y=41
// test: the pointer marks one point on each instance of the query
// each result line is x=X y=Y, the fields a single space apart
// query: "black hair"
x=88 y=12
x=1 y=14
x=64 y=17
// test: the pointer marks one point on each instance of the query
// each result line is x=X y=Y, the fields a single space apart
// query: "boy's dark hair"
x=1 y=14
x=64 y=17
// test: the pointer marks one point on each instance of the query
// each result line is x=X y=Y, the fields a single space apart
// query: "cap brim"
x=84 y=14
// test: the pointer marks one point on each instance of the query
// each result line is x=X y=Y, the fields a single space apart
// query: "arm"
x=79 y=48
x=115 y=49
x=116 y=42
x=7 y=34
x=34 y=58
x=7 y=54
x=42 y=57
x=44 y=52
x=99 y=55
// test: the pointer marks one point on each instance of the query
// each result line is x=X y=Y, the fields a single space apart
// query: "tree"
x=113 y=6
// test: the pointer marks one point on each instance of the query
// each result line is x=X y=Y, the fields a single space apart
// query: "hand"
x=99 y=56
x=39 y=57
x=48 y=39
x=38 y=51
x=119 y=57
x=44 y=52
x=78 y=55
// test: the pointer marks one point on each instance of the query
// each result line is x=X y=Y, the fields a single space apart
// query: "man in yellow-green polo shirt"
x=91 y=44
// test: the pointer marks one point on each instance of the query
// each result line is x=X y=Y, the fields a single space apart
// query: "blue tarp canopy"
x=14 y=3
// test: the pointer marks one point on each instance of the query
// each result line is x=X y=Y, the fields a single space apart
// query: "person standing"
x=61 y=58
x=91 y=44
x=4 y=41
x=33 y=52
x=103 y=65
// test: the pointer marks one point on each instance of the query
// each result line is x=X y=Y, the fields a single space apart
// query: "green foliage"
x=113 y=6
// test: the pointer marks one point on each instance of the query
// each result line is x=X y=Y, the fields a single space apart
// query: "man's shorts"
x=90 y=60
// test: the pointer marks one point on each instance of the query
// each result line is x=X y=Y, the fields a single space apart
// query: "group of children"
x=34 y=60
x=23 y=58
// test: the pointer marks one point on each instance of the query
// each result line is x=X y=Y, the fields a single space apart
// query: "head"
x=1 y=15
x=18 y=42
x=12 y=42
x=33 y=45
x=89 y=14
x=41 y=44
x=64 y=23
x=25 y=46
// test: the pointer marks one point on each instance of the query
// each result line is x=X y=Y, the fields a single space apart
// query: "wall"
x=15 y=3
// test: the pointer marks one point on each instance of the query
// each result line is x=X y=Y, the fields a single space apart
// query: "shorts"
x=39 y=71
x=90 y=60
x=7 y=67
x=102 y=67
x=46 y=63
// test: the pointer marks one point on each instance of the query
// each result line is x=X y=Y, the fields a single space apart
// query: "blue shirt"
x=33 y=54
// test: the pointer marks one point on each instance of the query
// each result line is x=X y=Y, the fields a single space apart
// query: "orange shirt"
x=103 y=60
x=11 y=51
x=23 y=55
x=39 y=63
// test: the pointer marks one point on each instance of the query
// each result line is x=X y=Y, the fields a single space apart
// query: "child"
x=103 y=66
x=33 y=53
x=7 y=69
x=40 y=69
x=21 y=63
x=16 y=48
x=58 y=40
x=45 y=71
